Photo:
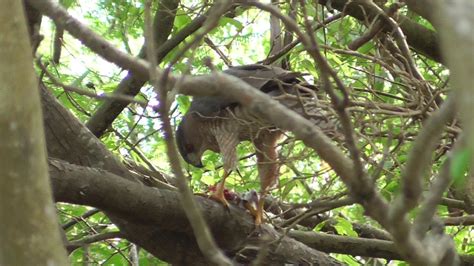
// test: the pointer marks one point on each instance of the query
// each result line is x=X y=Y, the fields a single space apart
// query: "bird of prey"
x=219 y=124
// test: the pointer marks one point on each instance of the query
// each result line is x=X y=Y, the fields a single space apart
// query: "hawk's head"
x=190 y=144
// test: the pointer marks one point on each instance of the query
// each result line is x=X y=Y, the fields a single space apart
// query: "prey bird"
x=219 y=124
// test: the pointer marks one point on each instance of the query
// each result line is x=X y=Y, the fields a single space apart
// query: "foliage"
x=384 y=113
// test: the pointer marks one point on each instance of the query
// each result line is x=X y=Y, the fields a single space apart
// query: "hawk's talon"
x=258 y=221
x=254 y=205
x=259 y=212
x=258 y=218
x=218 y=195
x=220 y=198
x=256 y=213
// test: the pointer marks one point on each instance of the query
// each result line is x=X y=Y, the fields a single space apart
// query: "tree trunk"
x=455 y=22
x=29 y=234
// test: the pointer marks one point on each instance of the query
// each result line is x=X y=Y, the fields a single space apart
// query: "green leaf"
x=320 y=226
x=181 y=19
x=183 y=103
x=460 y=166
x=77 y=82
x=225 y=20
x=344 y=227
x=287 y=188
x=67 y=3
x=208 y=180
x=364 y=49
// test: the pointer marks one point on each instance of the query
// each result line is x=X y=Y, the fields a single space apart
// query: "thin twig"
x=419 y=159
x=80 y=91
x=71 y=246
x=272 y=58
x=203 y=236
x=76 y=220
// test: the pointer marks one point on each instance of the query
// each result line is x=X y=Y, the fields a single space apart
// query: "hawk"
x=219 y=124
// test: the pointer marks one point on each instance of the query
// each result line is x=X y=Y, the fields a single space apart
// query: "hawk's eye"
x=189 y=147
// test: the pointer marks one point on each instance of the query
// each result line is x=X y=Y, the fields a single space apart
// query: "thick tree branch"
x=69 y=140
x=161 y=209
x=423 y=8
x=467 y=220
x=30 y=232
x=374 y=248
x=454 y=20
x=33 y=18
x=454 y=203
x=419 y=38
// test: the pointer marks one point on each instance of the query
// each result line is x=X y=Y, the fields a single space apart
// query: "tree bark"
x=455 y=21
x=422 y=39
x=356 y=246
x=29 y=234
x=157 y=214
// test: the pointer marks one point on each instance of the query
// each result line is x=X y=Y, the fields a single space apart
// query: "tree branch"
x=30 y=229
x=73 y=245
x=467 y=220
x=161 y=209
x=76 y=219
x=419 y=159
x=419 y=38
x=374 y=248
x=423 y=8
x=454 y=21
x=204 y=239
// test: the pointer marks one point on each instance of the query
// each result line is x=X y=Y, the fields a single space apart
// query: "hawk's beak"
x=194 y=159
